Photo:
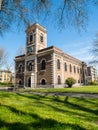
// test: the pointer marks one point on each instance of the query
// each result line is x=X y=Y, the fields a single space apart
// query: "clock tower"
x=36 y=39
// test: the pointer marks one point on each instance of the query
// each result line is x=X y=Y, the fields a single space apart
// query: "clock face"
x=30 y=49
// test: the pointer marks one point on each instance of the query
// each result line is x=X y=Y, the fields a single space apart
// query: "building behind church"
x=44 y=66
x=92 y=74
x=5 y=76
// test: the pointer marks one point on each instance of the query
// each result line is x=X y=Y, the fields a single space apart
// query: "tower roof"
x=34 y=26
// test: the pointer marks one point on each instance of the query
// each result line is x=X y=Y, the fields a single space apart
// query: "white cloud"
x=83 y=54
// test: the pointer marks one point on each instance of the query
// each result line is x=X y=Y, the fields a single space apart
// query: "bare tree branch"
x=94 y=51
x=21 y=50
x=3 y=56
x=0 y=4
x=26 y=12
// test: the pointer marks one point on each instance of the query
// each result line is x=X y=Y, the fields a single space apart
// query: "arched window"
x=43 y=65
x=58 y=64
x=70 y=68
x=59 y=80
x=65 y=67
x=43 y=82
x=30 y=66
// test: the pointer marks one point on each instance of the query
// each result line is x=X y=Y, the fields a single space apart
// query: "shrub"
x=9 y=84
x=92 y=83
x=70 y=81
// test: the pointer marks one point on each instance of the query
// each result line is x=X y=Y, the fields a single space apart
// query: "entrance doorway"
x=20 y=82
x=43 y=82
x=29 y=82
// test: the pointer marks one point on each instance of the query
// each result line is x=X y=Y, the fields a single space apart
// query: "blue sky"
x=77 y=44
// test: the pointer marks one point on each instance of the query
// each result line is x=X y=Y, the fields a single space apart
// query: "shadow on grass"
x=91 y=101
x=38 y=124
x=31 y=96
x=71 y=105
x=47 y=124
x=76 y=106
x=66 y=101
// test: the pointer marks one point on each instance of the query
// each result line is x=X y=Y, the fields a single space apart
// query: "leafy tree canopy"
x=26 y=12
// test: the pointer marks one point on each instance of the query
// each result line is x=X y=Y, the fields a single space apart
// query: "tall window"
x=78 y=70
x=58 y=64
x=30 y=66
x=74 y=69
x=70 y=68
x=59 y=80
x=20 y=68
x=31 y=37
x=5 y=77
x=65 y=67
x=41 y=38
x=43 y=65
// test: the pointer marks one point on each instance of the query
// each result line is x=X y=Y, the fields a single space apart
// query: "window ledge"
x=43 y=70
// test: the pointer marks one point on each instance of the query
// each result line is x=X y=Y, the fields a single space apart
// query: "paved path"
x=6 y=88
x=69 y=94
x=88 y=95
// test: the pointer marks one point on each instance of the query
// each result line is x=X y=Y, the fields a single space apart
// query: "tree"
x=9 y=66
x=94 y=51
x=4 y=60
x=3 y=56
x=21 y=12
x=26 y=12
x=21 y=50
x=70 y=81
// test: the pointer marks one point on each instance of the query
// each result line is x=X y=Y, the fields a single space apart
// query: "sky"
x=69 y=39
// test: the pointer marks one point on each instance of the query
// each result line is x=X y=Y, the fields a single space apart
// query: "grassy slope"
x=84 y=89
x=32 y=112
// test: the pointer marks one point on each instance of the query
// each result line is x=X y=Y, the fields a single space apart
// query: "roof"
x=58 y=50
x=35 y=25
x=45 y=49
x=5 y=71
x=20 y=56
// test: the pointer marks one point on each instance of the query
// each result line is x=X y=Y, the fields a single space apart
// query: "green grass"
x=32 y=112
x=81 y=89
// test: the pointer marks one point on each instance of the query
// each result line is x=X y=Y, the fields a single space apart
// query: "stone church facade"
x=44 y=66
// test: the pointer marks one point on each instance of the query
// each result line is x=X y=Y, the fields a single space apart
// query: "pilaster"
x=53 y=69
x=36 y=47
x=62 y=71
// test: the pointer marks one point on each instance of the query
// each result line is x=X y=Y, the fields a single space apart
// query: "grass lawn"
x=81 y=89
x=31 y=112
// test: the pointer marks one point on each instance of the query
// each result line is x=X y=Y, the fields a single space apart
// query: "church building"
x=44 y=66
